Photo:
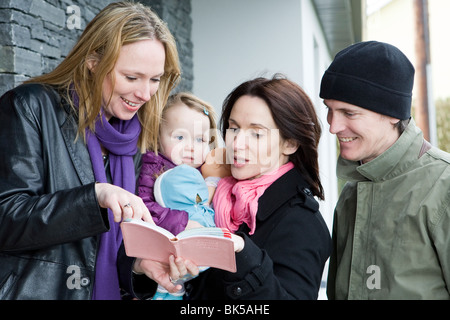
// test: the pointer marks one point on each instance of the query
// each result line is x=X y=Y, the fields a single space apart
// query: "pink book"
x=206 y=247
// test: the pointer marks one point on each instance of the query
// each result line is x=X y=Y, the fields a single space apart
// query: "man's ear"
x=290 y=146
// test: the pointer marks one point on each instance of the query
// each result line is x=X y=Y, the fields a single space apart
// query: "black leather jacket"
x=49 y=214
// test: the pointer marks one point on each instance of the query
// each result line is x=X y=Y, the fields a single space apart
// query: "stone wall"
x=35 y=35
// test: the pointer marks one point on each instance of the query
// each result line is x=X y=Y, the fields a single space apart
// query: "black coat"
x=284 y=258
x=49 y=214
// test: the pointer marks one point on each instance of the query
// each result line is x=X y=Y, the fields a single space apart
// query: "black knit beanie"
x=371 y=75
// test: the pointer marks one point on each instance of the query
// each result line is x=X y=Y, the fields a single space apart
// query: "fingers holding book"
x=180 y=267
x=164 y=274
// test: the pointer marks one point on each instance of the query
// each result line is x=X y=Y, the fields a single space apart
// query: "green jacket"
x=391 y=232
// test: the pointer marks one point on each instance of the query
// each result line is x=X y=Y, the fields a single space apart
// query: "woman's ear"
x=290 y=146
x=92 y=62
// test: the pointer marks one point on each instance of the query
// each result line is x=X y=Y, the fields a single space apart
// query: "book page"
x=211 y=251
x=210 y=231
x=212 y=247
x=161 y=230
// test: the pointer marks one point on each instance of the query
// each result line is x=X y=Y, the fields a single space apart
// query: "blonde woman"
x=70 y=145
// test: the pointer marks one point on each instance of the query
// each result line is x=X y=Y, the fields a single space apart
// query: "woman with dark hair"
x=281 y=241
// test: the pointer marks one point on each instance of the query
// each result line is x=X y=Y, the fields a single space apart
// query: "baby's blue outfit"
x=183 y=188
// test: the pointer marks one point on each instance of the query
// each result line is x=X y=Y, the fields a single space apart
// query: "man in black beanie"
x=391 y=223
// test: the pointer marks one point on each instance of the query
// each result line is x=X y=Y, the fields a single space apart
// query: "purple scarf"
x=120 y=139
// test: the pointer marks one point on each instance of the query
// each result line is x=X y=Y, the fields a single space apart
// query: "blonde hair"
x=195 y=103
x=118 y=24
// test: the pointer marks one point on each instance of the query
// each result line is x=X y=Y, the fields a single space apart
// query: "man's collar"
x=384 y=166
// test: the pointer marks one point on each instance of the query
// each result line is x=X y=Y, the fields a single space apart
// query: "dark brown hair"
x=295 y=117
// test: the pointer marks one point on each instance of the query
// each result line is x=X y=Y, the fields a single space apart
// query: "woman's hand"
x=166 y=274
x=239 y=243
x=122 y=203
x=193 y=225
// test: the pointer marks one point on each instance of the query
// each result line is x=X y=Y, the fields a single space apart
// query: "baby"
x=183 y=145
x=186 y=135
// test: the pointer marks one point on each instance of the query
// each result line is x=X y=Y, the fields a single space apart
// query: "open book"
x=208 y=247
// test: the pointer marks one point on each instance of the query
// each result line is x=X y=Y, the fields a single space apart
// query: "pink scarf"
x=236 y=201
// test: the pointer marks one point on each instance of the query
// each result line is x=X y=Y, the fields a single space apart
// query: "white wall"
x=237 y=40
x=316 y=60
